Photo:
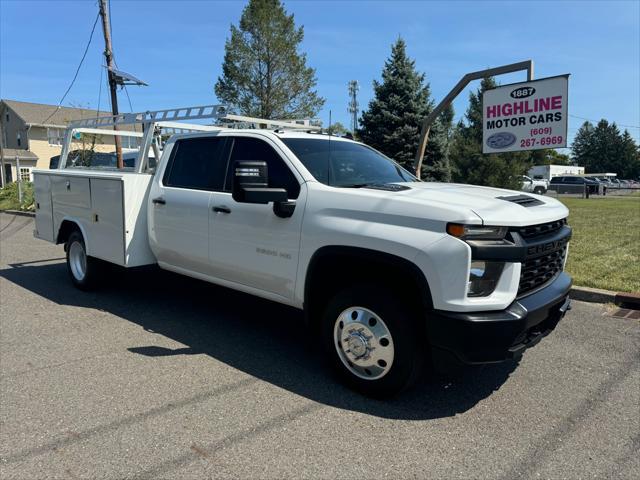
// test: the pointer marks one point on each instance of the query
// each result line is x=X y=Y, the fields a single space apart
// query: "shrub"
x=9 y=197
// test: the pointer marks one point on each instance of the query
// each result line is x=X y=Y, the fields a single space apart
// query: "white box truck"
x=391 y=272
x=547 y=172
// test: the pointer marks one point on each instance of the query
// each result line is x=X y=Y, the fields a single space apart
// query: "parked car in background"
x=534 y=186
x=574 y=184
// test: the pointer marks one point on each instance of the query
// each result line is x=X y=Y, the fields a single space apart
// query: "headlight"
x=483 y=278
x=476 y=232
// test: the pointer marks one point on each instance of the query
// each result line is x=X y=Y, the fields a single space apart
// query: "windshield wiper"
x=357 y=185
x=390 y=186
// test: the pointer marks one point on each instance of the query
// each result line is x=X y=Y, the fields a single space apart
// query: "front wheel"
x=539 y=190
x=373 y=340
x=84 y=270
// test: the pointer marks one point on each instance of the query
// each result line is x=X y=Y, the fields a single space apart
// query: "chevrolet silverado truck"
x=392 y=273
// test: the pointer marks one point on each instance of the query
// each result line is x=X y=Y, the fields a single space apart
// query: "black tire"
x=539 y=190
x=93 y=266
x=404 y=325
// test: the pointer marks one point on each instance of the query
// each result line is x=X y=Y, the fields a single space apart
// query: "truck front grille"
x=539 y=270
x=535 y=231
x=546 y=248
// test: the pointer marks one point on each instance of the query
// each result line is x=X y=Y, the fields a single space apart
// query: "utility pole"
x=108 y=54
x=353 y=105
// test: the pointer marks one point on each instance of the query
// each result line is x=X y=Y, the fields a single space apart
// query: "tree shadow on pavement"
x=264 y=339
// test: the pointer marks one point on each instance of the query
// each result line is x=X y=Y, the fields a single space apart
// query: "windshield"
x=346 y=164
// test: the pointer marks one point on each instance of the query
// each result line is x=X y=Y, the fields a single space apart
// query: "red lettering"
x=518 y=108
x=543 y=104
x=528 y=108
x=507 y=109
x=493 y=111
x=556 y=102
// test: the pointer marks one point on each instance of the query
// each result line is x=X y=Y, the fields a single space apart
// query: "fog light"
x=483 y=278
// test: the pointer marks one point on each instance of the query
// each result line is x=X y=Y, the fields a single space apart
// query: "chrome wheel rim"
x=364 y=343
x=77 y=261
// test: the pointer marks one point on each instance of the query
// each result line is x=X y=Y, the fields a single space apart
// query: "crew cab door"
x=180 y=198
x=249 y=244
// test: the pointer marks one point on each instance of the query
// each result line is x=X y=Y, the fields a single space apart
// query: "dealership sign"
x=525 y=116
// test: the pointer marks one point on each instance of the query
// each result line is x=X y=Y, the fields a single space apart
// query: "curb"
x=629 y=300
x=19 y=213
x=597 y=295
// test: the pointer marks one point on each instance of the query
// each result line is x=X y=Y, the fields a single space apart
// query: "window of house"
x=6 y=116
x=25 y=174
x=55 y=136
x=197 y=163
x=280 y=176
x=19 y=139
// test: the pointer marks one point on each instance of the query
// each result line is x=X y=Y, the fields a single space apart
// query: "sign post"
x=464 y=81
x=525 y=116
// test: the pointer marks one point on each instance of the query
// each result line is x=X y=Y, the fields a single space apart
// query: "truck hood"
x=485 y=203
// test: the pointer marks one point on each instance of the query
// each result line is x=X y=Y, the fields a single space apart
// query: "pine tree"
x=603 y=149
x=630 y=157
x=392 y=121
x=263 y=73
x=582 y=146
x=436 y=165
x=469 y=164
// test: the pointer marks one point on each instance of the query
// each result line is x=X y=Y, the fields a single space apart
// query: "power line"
x=93 y=29
x=594 y=121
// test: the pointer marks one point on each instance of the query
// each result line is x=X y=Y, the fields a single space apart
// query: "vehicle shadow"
x=261 y=338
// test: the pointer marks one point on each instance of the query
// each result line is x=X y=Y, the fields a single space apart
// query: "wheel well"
x=66 y=229
x=333 y=268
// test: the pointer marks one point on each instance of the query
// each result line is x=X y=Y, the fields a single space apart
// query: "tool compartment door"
x=44 y=207
x=107 y=220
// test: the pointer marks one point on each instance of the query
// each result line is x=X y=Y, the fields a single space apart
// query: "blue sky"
x=178 y=47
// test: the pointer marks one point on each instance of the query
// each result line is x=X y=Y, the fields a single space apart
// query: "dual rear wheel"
x=84 y=270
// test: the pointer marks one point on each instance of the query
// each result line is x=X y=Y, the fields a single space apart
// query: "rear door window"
x=197 y=163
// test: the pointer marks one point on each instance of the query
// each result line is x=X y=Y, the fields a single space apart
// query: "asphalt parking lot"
x=159 y=376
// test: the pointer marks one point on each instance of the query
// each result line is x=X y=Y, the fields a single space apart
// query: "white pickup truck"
x=532 y=185
x=391 y=272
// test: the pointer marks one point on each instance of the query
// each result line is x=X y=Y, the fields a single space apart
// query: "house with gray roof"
x=32 y=134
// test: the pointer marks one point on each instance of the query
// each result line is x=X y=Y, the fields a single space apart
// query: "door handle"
x=221 y=209
x=159 y=201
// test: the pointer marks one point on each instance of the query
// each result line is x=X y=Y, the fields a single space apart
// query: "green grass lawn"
x=605 y=248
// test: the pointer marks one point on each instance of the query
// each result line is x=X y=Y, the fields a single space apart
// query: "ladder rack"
x=171 y=115
x=169 y=121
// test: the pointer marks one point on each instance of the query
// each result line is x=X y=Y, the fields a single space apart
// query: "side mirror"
x=251 y=183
